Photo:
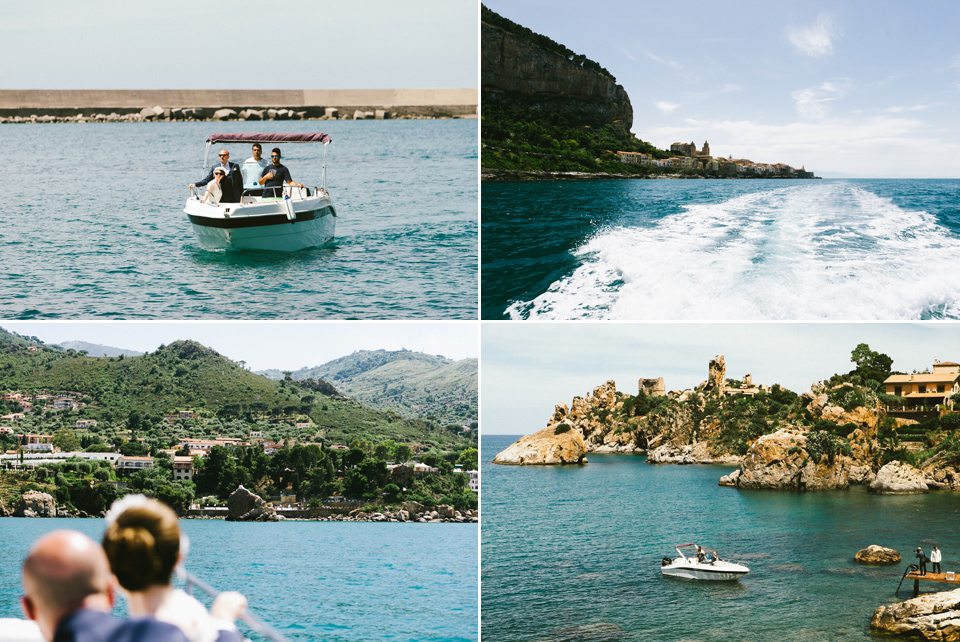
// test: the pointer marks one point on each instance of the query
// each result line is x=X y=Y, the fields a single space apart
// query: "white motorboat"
x=709 y=567
x=293 y=219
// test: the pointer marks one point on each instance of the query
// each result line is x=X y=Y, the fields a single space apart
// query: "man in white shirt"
x=252 y=168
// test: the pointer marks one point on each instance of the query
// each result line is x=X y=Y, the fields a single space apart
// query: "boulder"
x=331 y=112
x=358 y=115
x=3 y=510
x=403 y=515
x=244 y=506
x=224 y=114
x=898 y=478
x=547 y=446
x=271 y=114
x=446 y=511
x=695 y=453
x=877 y=556
x=935 y=616
x=412 y=508
x=36 y=504
x=381 y=114
x=779 y=461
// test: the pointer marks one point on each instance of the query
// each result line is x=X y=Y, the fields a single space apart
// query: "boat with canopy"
x=701 y=565
x=284 y=219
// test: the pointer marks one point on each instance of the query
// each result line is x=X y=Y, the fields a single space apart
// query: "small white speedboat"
x=694 y=568
x=292 y=220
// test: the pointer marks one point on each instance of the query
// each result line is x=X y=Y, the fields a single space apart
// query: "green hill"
x=412 y=384
x=188 y=376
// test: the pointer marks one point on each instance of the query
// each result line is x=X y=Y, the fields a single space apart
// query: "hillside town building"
x=925 y=392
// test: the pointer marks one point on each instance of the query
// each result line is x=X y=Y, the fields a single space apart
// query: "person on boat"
x=712 y=557
x=923 y=561
x=68 y=593
x=143 y=545
x=275 y=175
x=232 y=187
x=252 y=170
x=700 y=555
x=214 y=193
x=935 y=557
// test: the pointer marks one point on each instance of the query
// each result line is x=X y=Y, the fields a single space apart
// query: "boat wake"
x=819 y=250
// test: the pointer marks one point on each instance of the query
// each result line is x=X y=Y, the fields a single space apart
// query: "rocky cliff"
x=516 y=71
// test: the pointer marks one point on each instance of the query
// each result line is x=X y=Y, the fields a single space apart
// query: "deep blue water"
x=92 y=225
x=713 y=249
x=313 y=580
x=573 y=553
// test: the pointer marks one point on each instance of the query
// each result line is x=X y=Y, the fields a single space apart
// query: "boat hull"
x=723 y=572
x=263 y=226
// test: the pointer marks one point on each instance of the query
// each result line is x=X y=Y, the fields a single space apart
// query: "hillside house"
x=134 y=463
x=925 y=392
x=183 y=468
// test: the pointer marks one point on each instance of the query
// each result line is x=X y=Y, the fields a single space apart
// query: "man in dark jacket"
x=231 y=185
x=275 y=175
x=67 y=591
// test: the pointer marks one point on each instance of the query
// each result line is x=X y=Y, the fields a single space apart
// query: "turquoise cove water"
x=95 y=229
x=721 y=249
x=573 y=553
x=313 y=580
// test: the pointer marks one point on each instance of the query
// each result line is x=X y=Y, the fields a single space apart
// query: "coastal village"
x=184 y=456
x=691 y=158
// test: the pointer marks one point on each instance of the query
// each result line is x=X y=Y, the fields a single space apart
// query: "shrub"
x=561 y=428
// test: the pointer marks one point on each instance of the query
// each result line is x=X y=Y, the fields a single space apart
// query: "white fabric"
x=251 y=170
x=191 y=616
x=935 y=556
x=214 y=191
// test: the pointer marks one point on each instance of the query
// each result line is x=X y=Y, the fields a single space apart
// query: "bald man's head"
x=64 y=571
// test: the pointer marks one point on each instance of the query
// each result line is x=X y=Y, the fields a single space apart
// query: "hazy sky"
x=238 y=44
x=866 y=88
x=284 y=345
x=527 y=369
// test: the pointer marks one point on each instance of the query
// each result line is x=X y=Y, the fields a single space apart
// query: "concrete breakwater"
x=83 y=105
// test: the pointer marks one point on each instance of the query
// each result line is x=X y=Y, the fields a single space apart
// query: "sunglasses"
x=223 y=154
x=274 y=156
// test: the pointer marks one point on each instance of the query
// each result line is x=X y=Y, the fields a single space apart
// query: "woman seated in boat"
x=143 y=545
x=214 y=193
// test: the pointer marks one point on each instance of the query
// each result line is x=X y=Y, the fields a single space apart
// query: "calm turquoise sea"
x=313 y=580
x=92 y=225
x=573 y=553
x=715 y=249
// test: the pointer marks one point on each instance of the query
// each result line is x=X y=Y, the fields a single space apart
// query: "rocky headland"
x=831 y=437
x=935 y=616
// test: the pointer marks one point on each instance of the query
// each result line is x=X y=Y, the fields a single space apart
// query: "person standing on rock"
x=935 y=557
x=923 y=561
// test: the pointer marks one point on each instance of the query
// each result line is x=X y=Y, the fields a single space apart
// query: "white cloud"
x=812 y=101
x=670 y=63
x=816 y=40
x=665 y=107
x=899 y=109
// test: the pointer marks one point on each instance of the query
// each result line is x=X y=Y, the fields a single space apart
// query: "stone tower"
x=706 y=149
x=653 y=387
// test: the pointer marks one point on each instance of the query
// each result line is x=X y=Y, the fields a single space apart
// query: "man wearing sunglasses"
x=274 y=176
x=231 y=185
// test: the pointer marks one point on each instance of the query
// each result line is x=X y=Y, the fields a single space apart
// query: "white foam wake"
x=817 y=250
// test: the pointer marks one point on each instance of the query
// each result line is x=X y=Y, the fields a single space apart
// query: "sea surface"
x=312 y=580
x=573 y=553
x=92 y=224
x=721 y=249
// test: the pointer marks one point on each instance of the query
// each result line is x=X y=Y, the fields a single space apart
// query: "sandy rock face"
x=877 y=556
x=935 y=616
x=898 y=478
x=36 y=504
x=546 y=447
x=779 y=461
x=244 y=506
x=697 y=453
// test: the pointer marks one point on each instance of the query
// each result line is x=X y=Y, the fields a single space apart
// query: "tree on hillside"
x=66 y=440
x=871 y=365
x=468 y=459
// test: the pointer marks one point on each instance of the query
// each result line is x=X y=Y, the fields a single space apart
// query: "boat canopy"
x=274 y=137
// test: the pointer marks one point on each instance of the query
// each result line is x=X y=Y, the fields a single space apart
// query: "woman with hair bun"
x=144 y=544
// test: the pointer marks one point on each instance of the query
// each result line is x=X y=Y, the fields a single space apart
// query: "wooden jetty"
x=913 y=573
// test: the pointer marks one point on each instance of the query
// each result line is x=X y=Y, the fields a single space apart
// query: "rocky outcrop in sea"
x=36 y=504
x=780 y=461
x=874 y=555
x=245 y=506
x=935 y=616
x=546 y=446
x=898 y=478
